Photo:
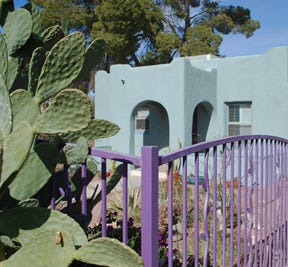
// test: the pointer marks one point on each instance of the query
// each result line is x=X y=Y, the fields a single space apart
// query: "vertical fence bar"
x=224 y=206
x=232 y=158
x=214 y=206
x=282 y=189
x=285 y=208
x=245 y=199
x=256 y=252
x=53 y=189
x=68 y=189
x=170 y=214
x=125 y=205
x=271 y=201
x=103 y=197
x=266 y=204
x=149 y=209
x=196 y=212
x=275 y=226
x=184 y=212
x=84 y=196
x=206 y=208
x=239 y=206
x=261 y=198
x=251 y=185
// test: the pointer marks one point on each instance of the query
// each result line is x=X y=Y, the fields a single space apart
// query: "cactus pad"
x=3 y=57
x=22 y=224
x=43 y=251
x=5 y=109
x=77 y=154
x=36 y=19
x=24 y=107
x=17 y=28
x=13 y=70
x=93 y=55
x=108 y=252
x=95 y=130
x=36 y=63
x=27 y=183
x=62 y=65
x=70 y=111
x=15 y=149
x=51 y=36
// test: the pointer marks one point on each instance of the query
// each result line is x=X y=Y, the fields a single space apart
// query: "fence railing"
x=227 y=197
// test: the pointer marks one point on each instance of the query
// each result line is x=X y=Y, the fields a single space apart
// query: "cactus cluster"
x=36 y=71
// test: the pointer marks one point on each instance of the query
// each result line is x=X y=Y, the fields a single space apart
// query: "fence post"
x=149 y=210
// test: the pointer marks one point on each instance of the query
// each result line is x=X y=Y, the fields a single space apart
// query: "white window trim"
x=243 y=124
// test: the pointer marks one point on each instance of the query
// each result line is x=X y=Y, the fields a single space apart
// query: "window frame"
x=239 y=123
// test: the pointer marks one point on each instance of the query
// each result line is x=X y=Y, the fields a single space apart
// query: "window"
x=142 y=119
x=239 y=118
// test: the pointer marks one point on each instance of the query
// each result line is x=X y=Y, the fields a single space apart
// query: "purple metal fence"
x=232 y=199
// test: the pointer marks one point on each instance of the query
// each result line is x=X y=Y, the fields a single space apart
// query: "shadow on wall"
x=201 y=120
x=149 y=126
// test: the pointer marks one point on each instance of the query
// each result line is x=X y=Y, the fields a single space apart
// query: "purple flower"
x=110 y=228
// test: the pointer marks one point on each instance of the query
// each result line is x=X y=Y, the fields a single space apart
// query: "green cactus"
x=26 y=166
x=17 y=34
x=36 y=63
x=45 y=232
x=3 y=58
x=51 y=36
x=27 y=183
x=5 y=110
x=62 y=66
x=96 y=129
x=12 y=72
x=36 y=19
x=35 y=220
x=79 y=153
x=15 y=150
x=48 y=252
x=77 y=113
x=108 y=252
x=24 y=107
x=93 y=54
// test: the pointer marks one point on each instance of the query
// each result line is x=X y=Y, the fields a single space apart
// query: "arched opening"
x=149 y=126
x=201 y=119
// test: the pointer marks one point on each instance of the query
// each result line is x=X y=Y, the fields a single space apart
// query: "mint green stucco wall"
x=185 y=83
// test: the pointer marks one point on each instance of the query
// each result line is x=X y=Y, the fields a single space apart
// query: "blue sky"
x=273 y=16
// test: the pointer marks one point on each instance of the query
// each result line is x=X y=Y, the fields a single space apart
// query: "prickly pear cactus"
x=17 y=34
x=44 y=105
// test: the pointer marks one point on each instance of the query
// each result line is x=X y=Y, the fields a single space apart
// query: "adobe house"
x=194 y=99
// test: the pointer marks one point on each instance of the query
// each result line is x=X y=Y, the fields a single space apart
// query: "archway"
x=149 y=126
x=201 y=119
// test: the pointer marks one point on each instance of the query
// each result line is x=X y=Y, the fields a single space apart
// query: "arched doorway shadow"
x=201 y=120
x=149 y=126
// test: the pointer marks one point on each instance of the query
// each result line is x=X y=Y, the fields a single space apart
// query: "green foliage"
x=77 y=14
x=124 y=25
x=201 y=40
x=143 y=32
x=50 y=62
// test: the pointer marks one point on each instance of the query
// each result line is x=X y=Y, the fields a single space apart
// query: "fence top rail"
x=121 y=157
x=206 y=145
